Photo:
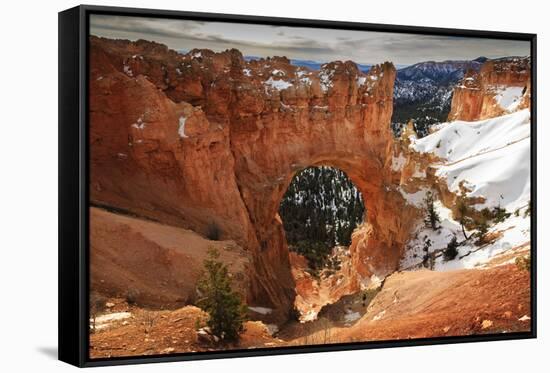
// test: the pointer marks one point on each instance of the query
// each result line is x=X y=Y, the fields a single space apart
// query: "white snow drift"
x=492 y=159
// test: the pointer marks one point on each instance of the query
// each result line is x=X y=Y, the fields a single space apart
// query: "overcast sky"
x=304 y=43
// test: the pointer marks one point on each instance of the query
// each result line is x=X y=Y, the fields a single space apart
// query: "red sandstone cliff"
x=208 y=139
x=502 y=86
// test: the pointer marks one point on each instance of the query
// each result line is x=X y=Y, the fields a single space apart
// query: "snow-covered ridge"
x=515 y=233
x=491 y=157
x=457 y=140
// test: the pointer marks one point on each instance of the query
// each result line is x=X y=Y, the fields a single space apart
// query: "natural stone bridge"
x=209 y=139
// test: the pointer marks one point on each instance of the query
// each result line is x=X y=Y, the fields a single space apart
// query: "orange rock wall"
x=474 y=98
x=208 y=139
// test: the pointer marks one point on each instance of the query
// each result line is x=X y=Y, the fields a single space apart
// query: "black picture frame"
x=74 y=186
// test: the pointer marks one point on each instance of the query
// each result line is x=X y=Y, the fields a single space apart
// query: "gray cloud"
x=149 y=26
x=304 y=43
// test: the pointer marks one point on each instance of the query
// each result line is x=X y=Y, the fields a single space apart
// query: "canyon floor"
x=410 y=304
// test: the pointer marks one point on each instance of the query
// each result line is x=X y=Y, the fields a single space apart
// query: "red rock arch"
x=241 y=142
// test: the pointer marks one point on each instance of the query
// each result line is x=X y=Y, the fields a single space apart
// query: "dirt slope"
x=464 y=302
x=160 y=263
x=147 y=332
x=410 y=305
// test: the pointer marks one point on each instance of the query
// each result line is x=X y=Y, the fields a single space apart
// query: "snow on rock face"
x=509 y=97
x=492 y=156
x=127 y=70
x=398 y=163
x=181 y=127
x=416 y=199
x=277 y=72
x=279 y=85
x=140 y=124
x=303 y=77
x=361 y=80
x=325 y=78
x=350 y=316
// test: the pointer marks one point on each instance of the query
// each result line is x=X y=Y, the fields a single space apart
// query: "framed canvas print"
x=235 y=186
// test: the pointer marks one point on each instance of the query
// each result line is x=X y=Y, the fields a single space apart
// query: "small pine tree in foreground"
x=224 y=306
x=97 y=305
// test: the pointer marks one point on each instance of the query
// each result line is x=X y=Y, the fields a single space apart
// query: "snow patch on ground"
x=104 y=321
x=112 y=317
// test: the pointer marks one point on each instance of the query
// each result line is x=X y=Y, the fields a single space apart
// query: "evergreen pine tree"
x=320 y=208
x=463 y=215
x=224 y=306
x=451 y=251
x=432 y=216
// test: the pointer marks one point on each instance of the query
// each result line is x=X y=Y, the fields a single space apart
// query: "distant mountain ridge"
x=423 y=91
x=439 y=72
x=316 y=65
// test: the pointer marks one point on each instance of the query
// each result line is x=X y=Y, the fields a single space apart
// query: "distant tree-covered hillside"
x=320 y=210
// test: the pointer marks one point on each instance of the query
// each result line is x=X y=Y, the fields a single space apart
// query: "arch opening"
x=320 y=210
